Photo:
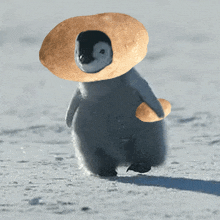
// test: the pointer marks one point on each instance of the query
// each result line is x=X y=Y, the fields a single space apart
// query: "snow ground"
x=39 y=176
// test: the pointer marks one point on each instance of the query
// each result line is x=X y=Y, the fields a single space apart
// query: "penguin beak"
x=84 y=59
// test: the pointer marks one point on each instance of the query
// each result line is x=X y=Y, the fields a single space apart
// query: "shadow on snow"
x=195 y=185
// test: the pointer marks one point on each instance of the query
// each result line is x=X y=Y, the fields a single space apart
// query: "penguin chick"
x=106 y=132
x=93 y=51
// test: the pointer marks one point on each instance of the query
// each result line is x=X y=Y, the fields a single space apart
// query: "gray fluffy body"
x=106 y=131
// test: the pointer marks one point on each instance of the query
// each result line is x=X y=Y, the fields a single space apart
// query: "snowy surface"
x=39 y=176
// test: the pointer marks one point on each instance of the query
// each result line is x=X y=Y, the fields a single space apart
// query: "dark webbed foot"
x=139 y=167
x=105 y=164
x=107 y=173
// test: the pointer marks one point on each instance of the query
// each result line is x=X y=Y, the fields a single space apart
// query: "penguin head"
x=93 y=51
x=119 y=35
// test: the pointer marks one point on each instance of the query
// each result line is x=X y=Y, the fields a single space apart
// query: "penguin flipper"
x=72 y=108
x=145 y=92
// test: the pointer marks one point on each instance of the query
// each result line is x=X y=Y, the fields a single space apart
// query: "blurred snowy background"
x=39 y=176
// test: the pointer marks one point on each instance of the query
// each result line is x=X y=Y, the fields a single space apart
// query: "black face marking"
x=87 y=40
x=93 y=37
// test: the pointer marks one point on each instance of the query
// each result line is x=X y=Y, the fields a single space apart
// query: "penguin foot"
x=107 y=173
x=139 y=167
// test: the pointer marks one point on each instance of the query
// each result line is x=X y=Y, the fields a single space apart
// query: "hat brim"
x=128 y=36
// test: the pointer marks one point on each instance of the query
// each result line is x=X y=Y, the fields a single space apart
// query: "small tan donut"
x=128 y=36
x=146 y=114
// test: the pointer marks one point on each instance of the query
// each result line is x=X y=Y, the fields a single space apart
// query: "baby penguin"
x=106 y=131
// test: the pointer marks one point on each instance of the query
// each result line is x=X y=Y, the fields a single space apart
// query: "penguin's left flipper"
x=139 y=84
x=139 y=167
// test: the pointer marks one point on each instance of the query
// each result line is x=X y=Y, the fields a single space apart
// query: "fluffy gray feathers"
x=106 y=131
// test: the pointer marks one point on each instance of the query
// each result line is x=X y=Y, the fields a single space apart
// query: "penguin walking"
x=106 y=131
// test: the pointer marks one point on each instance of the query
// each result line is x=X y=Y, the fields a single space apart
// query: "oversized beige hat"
x=128 y=36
